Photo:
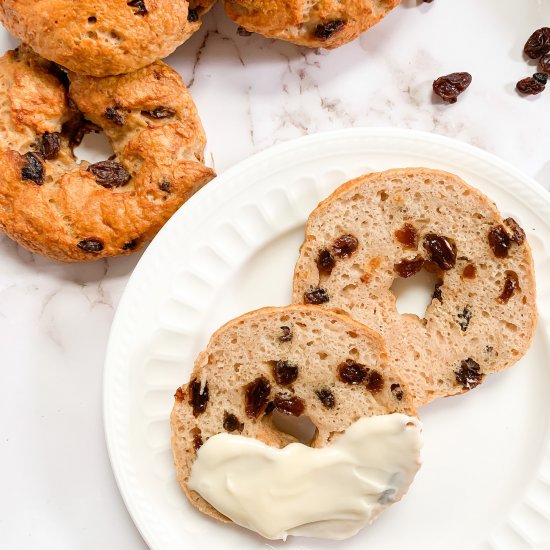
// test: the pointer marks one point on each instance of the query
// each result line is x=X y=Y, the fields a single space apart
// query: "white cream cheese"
x=329 y=492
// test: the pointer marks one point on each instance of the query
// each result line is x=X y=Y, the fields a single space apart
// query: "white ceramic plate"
x=485 y=482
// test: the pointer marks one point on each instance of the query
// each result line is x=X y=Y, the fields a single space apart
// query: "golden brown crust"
x=69 y=212
x=244 y=349
x=103 y=38
x=325 y=24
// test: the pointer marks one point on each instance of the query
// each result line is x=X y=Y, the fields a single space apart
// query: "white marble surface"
x=56 y=487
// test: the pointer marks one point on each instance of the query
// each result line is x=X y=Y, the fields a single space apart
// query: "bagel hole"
x=94 y=148
x=299 y=427
x=414 y=295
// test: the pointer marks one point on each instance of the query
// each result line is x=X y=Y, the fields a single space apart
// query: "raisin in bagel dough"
x=296 y=359
x=482 y=315
x=325 y=24
x=71 y=211
x=103 y=38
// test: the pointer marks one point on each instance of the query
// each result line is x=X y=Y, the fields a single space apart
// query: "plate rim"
x=532 y=187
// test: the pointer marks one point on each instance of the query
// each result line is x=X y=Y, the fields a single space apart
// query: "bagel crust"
x=312 y=362
x=325 y=24
x=482 y=316
x=70 y=211
x=103 y=38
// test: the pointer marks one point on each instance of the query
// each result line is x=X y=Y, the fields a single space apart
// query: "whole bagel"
x=325 y=24
x=103 y=38
x=391 y=225
x=70 y=211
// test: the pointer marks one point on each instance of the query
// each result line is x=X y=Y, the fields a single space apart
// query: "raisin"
x=518 y=234
x=192 y=15
x=499 y=241
x=256 y=394
x=115 y=116
x=284 y=372
x=538 y=43
x=270 y=407
x=50 y=145
x=345 y=246
x=464 y=318
x=544 y=63
x=316 y=296
x=159 y=112
x=78 y=131
x=130 y=245
x=408 y=268
x=438 y=295
x=289 y=404
x=375 y=381
x=541 y=77
x=287 y=334
x=449 y=87
x=468 y=374
x=530 y=86
x=511 y=284
x=440 y=251
x=326 y=397
x=324 y=31
x=33 y=170
x=325 y=262
x=469 y=271
x=179 y=395
x=197 y=441
x=407 y=236
x=198 y=399
x=241 y=31
x=397 y=391
x=353 y=373
x=165 y=186
x=231 y=423
x=109 y=173
x=91 y=245
x=139 y=7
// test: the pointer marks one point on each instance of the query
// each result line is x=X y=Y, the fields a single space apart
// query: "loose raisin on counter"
x=50 y=145
x=115 y=116
x=407 y=236
x=375 y=381
x=345 y=246
x=408 y=268
x=192 y=15
x=289 y=404
x=326 y=397
x=91 y=245
x=256 y=395
x=109 y=173
x=538 y=43
x=464 y=318
x=469 y=271
x=324 y=31
x=440 y=251
x=449 y=87
x=33 y=169
x=231 y=423
x=544 y=63
x=159 y=112
x=518 y=234
x=284 y=372
x=316 y=296
x=511 y=284
x=287 y=334
x=530 y=86
x=353 y=373
x=197 y=399
x=499 y=241
x=469 y=375
x=397 y=391
x=325 y=262
x=139 y=7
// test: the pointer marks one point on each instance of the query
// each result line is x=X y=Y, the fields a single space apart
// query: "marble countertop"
x=57 y=489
